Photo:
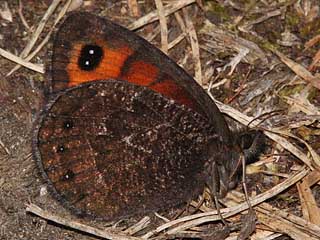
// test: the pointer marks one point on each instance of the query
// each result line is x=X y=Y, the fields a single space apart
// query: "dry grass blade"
x=224 y=40
x=163 y=26
x=265 y=17
x=177 y=40
x=236 y=60
x=74 y=5
x=142 y=224
x=242 y=118
x=247 y=71
x=5 y=12
x=106 y=234
x=315 y=61
x=312 y=178
x=281 y=221
x=4 y=147
x=290 y=147
x=40 y=27
x=14 y=58
x=197 y=219
x=170 y=8
x=303 y=105
x=286 y=223
x=315 y=156
x=262 y=235
x=134 y=8
x=314 y=162
x=312 y=41
x=299 y=70
x=309 y=207
x=298 y=221
x=23 y=20
x=46 y=39
x=183 y=29
x=194 y=46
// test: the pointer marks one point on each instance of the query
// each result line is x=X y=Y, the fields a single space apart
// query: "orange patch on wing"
x=141 y=73
x=110 y=66
x=173 y=91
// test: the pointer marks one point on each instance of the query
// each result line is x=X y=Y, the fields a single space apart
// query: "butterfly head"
x=225 y=163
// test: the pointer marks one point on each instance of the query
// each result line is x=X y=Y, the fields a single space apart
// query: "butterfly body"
x=124 y=129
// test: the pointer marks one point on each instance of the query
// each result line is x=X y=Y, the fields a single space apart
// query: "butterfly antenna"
x=265 y=116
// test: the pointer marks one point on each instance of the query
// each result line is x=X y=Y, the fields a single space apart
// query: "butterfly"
x=124 y=130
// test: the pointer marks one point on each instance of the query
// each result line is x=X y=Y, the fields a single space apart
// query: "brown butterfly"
x=125 y=130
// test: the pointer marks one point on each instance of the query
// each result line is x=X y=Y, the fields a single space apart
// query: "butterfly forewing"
x=88 y=47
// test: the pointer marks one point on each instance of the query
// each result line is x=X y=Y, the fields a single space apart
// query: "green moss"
x=218 y=10
x=37 y=77
x=292 y=20
x=223 y=54
x=290 y=90
x=296 y=22
x=311 y=28
x=261 y=42
x=313 y=93
x=288 y=198
x=269 y=46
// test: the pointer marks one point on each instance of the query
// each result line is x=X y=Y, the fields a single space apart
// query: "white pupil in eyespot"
x=87 y=63
x=91 y=51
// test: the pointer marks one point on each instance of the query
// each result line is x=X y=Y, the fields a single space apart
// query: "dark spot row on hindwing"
x=153 y=161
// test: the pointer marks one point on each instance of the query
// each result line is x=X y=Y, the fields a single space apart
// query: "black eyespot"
x=69 y=175
x=90 y=57
x=68 y=124
x=61 y=149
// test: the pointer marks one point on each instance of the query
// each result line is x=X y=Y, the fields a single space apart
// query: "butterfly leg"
x=214 y=174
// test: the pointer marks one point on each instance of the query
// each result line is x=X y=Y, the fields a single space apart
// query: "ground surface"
x=257 y=40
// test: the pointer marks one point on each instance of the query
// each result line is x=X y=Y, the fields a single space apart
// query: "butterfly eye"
x=90 y=57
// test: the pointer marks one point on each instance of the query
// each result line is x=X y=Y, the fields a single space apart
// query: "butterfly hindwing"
x=115 y=154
